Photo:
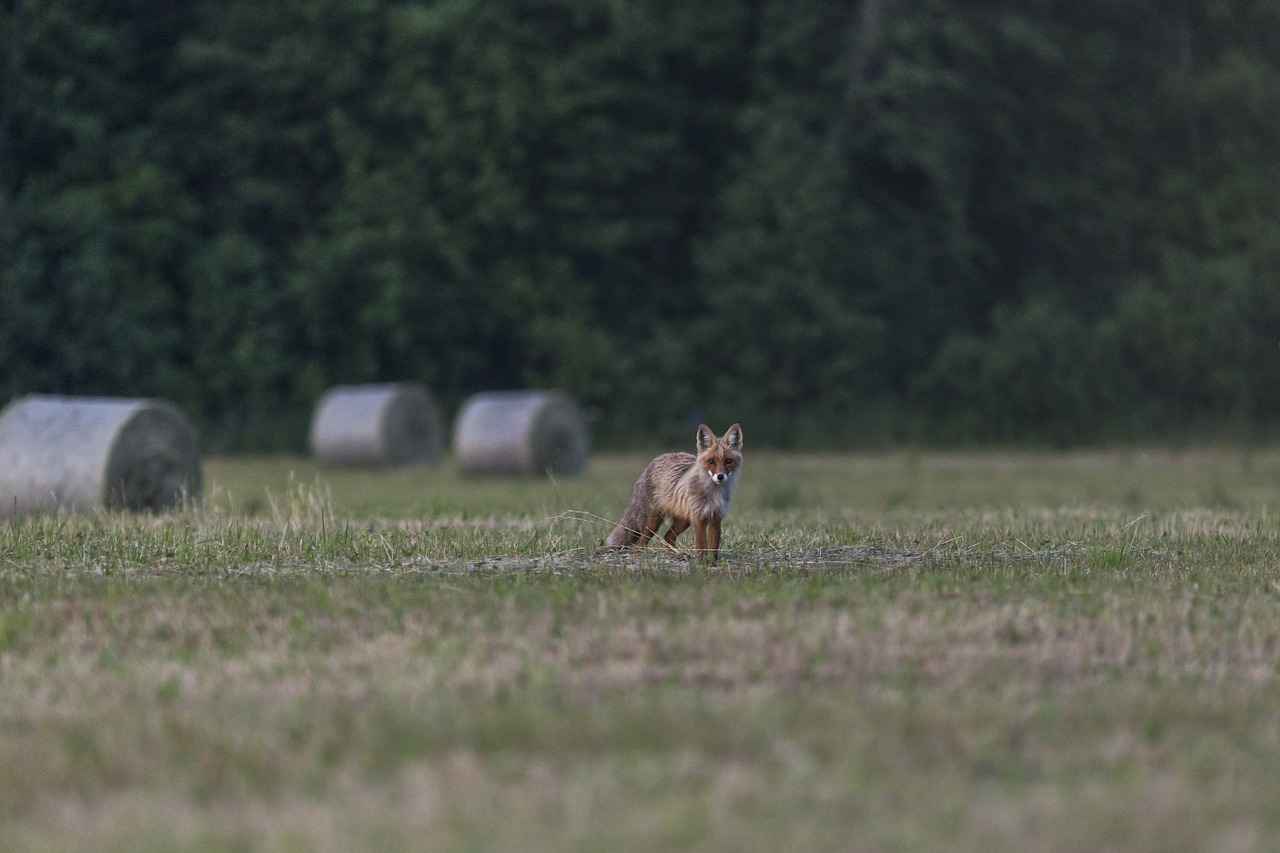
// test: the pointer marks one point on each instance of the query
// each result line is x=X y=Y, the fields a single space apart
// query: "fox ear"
x=733 y=437
x=706 y=438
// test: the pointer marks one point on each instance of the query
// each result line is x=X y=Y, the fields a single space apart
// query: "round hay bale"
x=87 y=453
x=521 y=432
x=393 y=424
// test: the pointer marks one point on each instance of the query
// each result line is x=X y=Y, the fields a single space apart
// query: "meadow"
x=903 y=651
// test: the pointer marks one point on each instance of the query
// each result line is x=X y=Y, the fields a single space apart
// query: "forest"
x=866 y=222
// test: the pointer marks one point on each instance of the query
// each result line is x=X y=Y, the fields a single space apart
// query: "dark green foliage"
x=996 y=220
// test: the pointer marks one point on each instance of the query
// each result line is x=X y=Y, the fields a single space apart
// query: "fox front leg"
x=699 y=538
x=713 y=539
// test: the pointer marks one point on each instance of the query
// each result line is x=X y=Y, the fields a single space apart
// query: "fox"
x=687 y=489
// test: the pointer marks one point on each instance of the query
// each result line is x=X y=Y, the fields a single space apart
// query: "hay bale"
x=87 y=453
x=521 y=432
x=394 y=424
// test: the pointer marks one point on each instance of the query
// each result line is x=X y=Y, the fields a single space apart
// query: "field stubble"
x=904 y=651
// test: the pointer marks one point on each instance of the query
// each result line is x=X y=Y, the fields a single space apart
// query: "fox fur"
x=689 y=490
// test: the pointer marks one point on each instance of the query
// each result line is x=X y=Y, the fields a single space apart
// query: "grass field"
x=994 y=652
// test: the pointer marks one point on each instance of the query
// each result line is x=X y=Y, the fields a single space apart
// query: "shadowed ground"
x=970 y=651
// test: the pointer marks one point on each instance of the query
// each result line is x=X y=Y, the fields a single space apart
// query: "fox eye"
x=728 y=463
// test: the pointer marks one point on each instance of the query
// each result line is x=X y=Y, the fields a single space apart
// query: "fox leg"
x=713 y=538
x=678 y=526
x=651 y=525
x=699 y=537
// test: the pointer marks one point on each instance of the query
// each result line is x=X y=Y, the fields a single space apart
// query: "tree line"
x=835 y=222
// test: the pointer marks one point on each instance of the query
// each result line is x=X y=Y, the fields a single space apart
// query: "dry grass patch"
x=914 y=651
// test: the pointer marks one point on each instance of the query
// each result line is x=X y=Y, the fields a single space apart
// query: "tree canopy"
x=998 y=220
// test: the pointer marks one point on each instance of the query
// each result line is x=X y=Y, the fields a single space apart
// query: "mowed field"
x=986 y=651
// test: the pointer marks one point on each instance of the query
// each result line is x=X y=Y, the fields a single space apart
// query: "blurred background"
x=843 y=224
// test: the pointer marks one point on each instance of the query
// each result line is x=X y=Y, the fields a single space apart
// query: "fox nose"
x=720 y=477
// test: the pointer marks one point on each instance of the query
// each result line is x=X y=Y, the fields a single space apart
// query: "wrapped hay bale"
x=521 y=432
x=87 y=453
x=394 y=424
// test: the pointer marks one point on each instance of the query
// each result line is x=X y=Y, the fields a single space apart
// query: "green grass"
x=898 y=652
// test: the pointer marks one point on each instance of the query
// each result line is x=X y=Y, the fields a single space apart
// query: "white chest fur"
x=719 y=500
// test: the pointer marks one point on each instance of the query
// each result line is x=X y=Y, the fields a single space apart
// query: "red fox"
x=688 y=490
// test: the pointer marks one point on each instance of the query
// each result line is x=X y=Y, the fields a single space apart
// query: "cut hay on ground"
x=521 y=432
x=87 y=453
x=393 y=424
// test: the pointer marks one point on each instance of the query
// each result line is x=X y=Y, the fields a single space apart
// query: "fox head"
x=721 y=457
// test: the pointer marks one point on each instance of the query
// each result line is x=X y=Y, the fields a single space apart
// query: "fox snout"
x=719 y=477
